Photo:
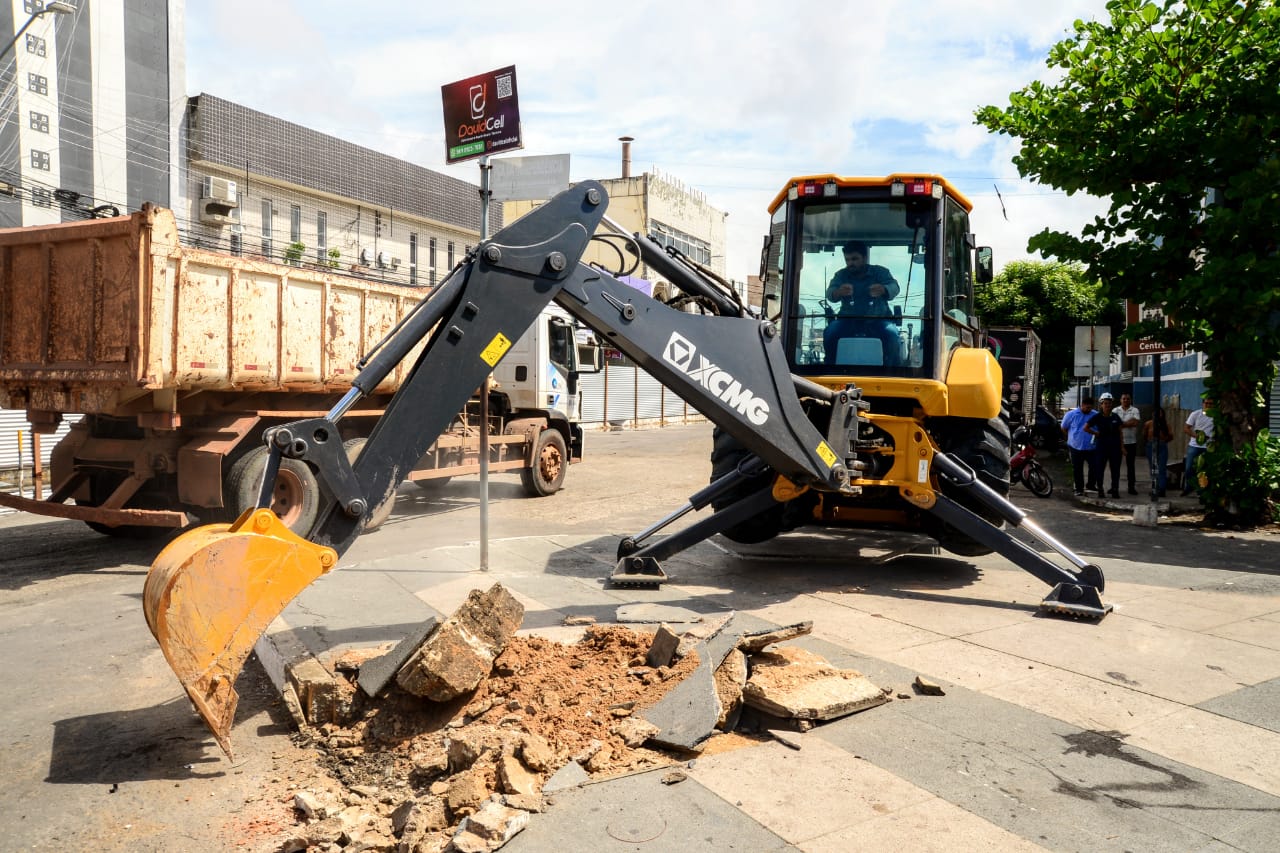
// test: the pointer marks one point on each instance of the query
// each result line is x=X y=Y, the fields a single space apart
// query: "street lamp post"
x=56 y=6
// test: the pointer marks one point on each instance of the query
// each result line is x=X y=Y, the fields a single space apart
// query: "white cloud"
x=731 y=98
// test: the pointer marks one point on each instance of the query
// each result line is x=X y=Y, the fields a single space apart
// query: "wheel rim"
x=549 y=463
x=287 y=496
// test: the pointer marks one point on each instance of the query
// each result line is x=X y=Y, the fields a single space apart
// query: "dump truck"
x=181 y=359
x=891 y=420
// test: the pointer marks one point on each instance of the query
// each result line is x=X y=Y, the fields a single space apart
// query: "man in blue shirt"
x=862 y=290
x=1079 y=442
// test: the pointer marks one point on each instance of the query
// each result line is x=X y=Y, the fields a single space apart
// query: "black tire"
x=1035 y=478
x=984 y=447
x=352 y=446
x=726 y=454
x=432 y=485
x=296 y=499
x=550 y=464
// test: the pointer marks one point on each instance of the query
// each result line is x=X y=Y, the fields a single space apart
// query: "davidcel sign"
x=481 y=115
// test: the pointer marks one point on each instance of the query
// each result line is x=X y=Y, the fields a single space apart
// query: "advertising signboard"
x=1135 y=311
x=481 y=115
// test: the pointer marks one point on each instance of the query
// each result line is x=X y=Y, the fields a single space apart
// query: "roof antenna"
x=1001 y=198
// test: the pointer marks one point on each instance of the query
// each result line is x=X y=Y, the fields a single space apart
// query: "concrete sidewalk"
x=1155 y=729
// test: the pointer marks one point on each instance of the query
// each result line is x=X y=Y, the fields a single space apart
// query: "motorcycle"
x=1025 y=469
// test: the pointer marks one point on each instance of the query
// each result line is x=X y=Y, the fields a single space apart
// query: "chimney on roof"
x=626 y=155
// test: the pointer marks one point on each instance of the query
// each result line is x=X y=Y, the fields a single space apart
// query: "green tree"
x=1052 y=298
x=1171 y=111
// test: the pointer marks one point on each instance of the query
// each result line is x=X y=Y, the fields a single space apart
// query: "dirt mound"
x=414 y=769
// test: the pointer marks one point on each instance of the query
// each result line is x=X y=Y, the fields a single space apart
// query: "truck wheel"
x=984 y=447
x=726 y=453
x=550 y=464
x=353 y=447
x=296 y=498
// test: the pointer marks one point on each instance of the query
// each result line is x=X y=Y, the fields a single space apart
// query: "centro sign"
x=681 y=354
x=481 y=115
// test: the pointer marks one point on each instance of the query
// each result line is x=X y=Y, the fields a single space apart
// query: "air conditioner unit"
x=385 y=261
x=366 y=257
x=218 y=188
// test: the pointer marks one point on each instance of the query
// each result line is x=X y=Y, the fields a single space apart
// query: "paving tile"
x=1229 y=748
x=964 y=663
x=640 y=813
x=1261 y=631
x=353 y=607
x=836 y=790
x=1083 y=701
x=844 y=624
x=1256 y=705
x=1172 y=663
x=1046 y=781
x=934 y=826
x=1197 y=610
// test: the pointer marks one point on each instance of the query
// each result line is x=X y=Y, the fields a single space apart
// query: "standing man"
x=863 y=291
x=1107 y=428
x=1199 y=427
x=1079 y=443
x=1131 y=422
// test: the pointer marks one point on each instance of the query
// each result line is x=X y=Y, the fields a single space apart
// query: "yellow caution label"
x=497 y=348
x=828 y=455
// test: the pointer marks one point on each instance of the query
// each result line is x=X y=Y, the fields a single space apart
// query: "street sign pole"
x=484 y=388
x=482 y=117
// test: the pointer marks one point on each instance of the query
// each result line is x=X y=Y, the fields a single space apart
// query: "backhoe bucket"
x=212 y=592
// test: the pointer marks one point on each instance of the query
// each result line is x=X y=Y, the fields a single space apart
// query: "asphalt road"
x=100 y=750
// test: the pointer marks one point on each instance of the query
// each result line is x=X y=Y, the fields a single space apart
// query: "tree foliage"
x=1171 y=111
x=1052 y=298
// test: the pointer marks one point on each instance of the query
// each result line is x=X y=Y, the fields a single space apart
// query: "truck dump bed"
x=114 y=316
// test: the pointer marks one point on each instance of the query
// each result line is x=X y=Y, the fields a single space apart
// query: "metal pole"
x=484 y=388
x=1154 y=449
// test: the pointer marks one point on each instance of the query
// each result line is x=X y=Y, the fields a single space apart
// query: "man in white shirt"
x=1199 y=427
x=1131 y=421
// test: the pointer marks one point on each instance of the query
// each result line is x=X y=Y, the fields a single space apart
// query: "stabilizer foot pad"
x=638 y=572
x=1079 y=601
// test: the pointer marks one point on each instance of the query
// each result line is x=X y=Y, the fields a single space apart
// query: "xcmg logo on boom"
x=683 y=355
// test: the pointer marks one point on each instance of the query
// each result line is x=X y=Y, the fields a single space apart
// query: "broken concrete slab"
x=688 y=714
x=514 y=777
x=730 y=678
x=322 y=696
x=460 y=654
x=653 y=612
x=795 y=683
x=758 y=641
x=925 y=687
x=663 y=648
x=570 y=776
x=376 y=674
x=492 y=826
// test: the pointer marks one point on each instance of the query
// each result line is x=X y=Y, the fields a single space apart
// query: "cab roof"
x=947 y=187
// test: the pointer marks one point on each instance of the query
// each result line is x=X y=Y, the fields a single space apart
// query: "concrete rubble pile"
x=451 y=740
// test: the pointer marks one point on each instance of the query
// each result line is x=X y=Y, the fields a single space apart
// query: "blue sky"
x=730 y=98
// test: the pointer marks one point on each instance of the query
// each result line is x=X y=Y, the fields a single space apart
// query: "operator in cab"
x=862 y=290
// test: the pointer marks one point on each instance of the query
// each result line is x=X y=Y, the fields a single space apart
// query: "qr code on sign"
x=504 y=86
